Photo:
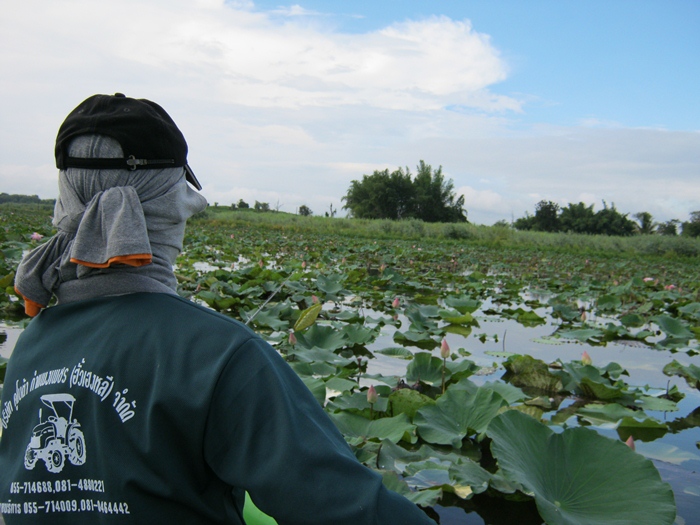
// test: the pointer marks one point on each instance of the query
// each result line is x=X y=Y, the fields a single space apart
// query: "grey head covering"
x=119 y=231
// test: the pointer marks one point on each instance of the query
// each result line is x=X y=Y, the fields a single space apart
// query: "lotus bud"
x=372 y=395
x=396 y=303
x=382 y=268
x=303 y=264
x=586 y=359
x=630 y=442
x=314 y=299
x=232 y=236
x=292 y=338
x=261 y=263
x=36 y=236
x=444 y=349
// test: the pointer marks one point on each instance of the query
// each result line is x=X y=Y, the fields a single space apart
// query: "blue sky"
x=288 y=103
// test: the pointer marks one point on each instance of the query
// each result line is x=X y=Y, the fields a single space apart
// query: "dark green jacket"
x=146 y=408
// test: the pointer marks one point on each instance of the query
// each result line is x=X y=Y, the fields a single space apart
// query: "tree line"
x=24 y=199
x=399 y=195
x=579 y=218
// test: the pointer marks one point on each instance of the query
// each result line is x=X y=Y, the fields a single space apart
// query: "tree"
x=647 y=225
x=435 y=197
x=668 y=227
x=243 y=204
x=577 y=218
x=609 y=221
x=396 y=195
x=262 y=206
x=691 y=228
x=305 y=210
x=546 y=216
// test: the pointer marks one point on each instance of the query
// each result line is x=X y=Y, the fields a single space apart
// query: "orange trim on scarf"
x=31 y=308
x=136 y=259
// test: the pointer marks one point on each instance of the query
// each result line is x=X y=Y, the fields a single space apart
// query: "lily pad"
x=457 y=414
x=579 y=477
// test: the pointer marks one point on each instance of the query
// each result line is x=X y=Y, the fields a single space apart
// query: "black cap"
x=148 y=136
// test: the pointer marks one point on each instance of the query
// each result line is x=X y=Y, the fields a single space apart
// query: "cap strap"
x=130 y=163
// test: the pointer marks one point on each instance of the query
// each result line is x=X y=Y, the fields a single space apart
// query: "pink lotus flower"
x=36 y=236
x=303 y=264
x=648 y=279
x=372 y=396
x=314 y=299
x=444 y=349
x=586 y=359
x=670 y=287
x=630 y=442
x=292 y=338
x=396 y=303
x=232 y=236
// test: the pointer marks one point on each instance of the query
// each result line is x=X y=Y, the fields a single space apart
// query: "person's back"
x=128 y=404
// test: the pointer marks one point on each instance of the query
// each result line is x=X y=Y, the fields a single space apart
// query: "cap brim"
x=189 y=174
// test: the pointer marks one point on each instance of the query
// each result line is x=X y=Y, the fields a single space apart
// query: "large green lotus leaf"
x=455 y=317
x=672 y=327
x=457 y=414
x=329 y=285
x=426 y=368
x=419 y=339
x=321 y=336
x=358 y=335
x=340 y=385
x=644 y=429
x=462 y=303
x=319 y=355
x=394 y=457
x=602 y=414
x=468 y=477
x=579 y=477
x=271 y=319
x=690 y=373
x=658 y=404
x=507 y=391
x=396 y=351
x=585 y=335
x=394 y=429
x=594 y=390
x=424 y=498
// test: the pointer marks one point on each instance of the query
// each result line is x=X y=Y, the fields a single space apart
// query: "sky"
x=288 y=103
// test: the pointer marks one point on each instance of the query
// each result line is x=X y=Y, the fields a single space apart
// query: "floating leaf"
x=394 y=429
x=690 y=373
x=457 y=414
x=396 y=351
x=570 y=474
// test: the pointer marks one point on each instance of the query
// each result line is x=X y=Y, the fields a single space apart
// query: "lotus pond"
x=488 y=384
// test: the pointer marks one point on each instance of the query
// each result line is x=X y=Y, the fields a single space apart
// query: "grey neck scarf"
x=119 y=231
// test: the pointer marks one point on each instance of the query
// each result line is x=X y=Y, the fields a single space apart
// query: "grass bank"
x=665 y=247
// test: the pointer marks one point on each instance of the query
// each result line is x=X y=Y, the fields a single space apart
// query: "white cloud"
x=284 y=108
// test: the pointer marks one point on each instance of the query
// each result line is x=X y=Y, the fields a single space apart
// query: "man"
x=126 y=403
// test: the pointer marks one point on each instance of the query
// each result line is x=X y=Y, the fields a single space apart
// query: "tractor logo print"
x=56 y=438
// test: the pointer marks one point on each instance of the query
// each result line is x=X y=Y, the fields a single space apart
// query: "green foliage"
x=578 y=218
x=334 y=284
x=561 y=471
x=305 y=211
x=396 y=195
x=691 y=228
